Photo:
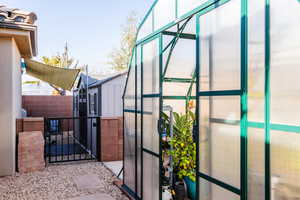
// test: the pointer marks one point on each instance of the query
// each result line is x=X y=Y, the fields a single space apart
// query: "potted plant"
x=183 y=151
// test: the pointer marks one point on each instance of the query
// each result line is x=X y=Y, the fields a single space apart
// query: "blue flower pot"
x=191 y=187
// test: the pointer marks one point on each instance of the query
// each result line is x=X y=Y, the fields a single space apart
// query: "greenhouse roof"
x=164 y=14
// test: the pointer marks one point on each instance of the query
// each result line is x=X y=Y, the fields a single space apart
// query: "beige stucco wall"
x=10 y=106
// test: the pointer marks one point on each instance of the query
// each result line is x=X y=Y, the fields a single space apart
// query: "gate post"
x=98 y=139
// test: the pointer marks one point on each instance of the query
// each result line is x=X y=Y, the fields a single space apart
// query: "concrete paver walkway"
x=88 y=182
x=94 y=197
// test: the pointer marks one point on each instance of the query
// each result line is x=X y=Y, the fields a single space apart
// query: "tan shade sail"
x=60 y=77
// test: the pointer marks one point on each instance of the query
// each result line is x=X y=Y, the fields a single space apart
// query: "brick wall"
x=48 y=106
x=30 y=124
x=111 y=138
x=31 y=151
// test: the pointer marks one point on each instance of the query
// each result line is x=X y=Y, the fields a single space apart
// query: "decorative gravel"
x=56 y=182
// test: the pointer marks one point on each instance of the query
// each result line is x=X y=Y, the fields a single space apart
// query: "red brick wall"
x=30 y=124
x=48 y=106
x=111 y=138
x=31 y=151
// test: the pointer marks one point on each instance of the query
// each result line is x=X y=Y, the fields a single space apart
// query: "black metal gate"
x=72 y=139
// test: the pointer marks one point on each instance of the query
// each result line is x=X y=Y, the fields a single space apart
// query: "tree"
x=62 y=60
x=119 y=58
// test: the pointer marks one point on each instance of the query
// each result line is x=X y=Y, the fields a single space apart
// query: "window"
x=91 y=104
x=95 y=104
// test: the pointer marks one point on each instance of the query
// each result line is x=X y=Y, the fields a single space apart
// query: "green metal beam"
x=267 y=102
x=221 y=93
x=261 y=125
x=160 y=47
x=151 y=95
x=219 y=183
x=196 y=126
x=188 y=95
x=178 y=97
x=178 y=80
x=181 y=35
x=244 y=101
x=150 y=152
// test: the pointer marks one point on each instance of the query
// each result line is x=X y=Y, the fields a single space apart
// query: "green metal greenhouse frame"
x=137 y=95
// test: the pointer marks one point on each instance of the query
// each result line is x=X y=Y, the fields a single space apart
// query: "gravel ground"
x=56 y=183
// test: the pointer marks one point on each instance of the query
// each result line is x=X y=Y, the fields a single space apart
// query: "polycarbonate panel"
x=150 y=177
x=219 y=139
x=164 y=13
x=188 y=5
x=129 y=97
x=178 y=89
x=210 y=191
x=285 y=62
x=147 y=28
x=256 y=60
x=139 y=107
x=256 y=163
x=190 y=27
x=138 y=77
x=177 y=105
x=138 y=157
x=182 y=62
x=151 y=68
x=150 y=118
x=285 y=165
x=220 y=49
x=129 y=150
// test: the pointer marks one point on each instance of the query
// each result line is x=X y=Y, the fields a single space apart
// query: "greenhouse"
x=210 y=104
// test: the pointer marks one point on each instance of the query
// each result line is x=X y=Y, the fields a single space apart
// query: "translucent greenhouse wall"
x=238 y=61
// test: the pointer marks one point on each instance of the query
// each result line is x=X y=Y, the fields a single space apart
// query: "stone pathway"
x=86 y=181
x=115 y=167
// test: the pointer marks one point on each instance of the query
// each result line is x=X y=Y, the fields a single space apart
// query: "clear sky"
x=92 y=28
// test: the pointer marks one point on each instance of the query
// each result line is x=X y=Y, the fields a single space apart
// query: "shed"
x=105 y=96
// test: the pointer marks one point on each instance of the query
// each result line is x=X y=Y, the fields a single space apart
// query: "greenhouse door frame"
x=157 y=96
x=139 y=49
x=139 y=90
x=242 y=93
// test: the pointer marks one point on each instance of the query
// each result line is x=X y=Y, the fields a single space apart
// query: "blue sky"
x=92 y=28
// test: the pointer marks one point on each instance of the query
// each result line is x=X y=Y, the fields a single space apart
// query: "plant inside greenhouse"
x=210 y=103
x=179 y=154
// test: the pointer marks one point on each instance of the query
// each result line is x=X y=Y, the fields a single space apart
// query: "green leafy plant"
x=184 y=148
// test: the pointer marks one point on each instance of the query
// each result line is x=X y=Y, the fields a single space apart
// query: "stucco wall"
x=10 y=106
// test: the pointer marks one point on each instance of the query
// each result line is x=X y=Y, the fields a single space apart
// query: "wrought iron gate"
x=72 y=139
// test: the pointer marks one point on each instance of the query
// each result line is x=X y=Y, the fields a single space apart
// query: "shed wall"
x=112 y=92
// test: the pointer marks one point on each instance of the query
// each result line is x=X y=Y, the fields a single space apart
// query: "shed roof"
x=84 y=78
x=96 y=82
x=105 y=80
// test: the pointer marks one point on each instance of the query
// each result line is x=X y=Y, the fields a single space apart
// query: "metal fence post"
x=98 y=139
